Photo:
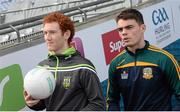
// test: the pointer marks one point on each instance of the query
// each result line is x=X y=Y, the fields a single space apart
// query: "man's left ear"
x=143 y=27
x=67 y=34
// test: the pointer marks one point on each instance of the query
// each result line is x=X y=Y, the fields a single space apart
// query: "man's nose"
x=48 y=36
x=124 y=32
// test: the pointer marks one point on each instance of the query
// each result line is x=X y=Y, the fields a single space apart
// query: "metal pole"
x=131 y=4
x=85 y=15
x=17 y=32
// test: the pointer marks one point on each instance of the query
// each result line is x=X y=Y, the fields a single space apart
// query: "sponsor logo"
x=159 y=16
x=147 y=73
x=11 y=88
x=2 y=85
x=161 y=20
x=124 y=75
x=112 y=44
x=77 y=43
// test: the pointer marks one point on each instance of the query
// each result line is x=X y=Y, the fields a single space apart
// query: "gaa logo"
x=158 y=16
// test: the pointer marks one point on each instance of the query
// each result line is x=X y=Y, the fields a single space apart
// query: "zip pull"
x=68 y=57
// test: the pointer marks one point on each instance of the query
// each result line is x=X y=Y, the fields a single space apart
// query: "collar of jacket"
x=66 y=54
x=138 y=51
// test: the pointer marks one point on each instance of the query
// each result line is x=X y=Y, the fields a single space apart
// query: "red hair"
x=64 y=22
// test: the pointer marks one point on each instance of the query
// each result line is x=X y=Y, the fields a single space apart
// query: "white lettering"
x=115 y=46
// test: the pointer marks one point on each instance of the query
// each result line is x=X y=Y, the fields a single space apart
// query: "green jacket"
x=145 y=80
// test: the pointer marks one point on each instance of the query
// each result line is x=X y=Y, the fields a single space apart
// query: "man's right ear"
x=67 y=34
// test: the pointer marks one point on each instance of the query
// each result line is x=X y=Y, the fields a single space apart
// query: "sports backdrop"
x=99 y=43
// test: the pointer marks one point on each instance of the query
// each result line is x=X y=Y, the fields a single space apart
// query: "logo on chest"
x=124 y=75
x=147 y=73
x=67 y=82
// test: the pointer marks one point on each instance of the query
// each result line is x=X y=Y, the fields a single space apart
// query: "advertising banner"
x=11 y=88
x=159 y=20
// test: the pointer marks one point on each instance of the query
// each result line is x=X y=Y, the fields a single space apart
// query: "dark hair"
x=64 y=22
x=131 y=14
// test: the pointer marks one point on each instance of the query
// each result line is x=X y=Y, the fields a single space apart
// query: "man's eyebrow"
x=120 y=28
x=50 y=30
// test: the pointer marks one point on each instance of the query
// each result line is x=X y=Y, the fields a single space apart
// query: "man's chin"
x=127 y=44
x=50 y=49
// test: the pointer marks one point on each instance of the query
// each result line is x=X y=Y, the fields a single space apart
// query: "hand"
x=29 y=100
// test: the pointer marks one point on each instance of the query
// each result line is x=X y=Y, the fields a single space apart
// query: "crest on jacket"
x=147 y=73
x=124 y=75
x=67 y=82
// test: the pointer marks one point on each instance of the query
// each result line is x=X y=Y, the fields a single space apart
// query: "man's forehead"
x=124 y=23
x=52 y=25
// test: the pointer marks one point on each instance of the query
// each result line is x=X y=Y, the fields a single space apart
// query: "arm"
x=113 y=94
x=91 y=84
x=172 y=71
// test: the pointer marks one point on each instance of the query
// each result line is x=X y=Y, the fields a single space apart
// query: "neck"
x=139 y=46
x=60 y=51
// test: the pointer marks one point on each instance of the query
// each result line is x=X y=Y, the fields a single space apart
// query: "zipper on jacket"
x=57 y=65
x=135 y=67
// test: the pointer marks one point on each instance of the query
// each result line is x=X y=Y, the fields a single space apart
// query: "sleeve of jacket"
x=113 y=94
x=39 y=106
x=172 y=72
x=91 y=84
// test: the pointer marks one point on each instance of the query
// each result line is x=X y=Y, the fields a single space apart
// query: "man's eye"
x=45 y=33
x=120 y=29
x=51 y=32
x=129 y=27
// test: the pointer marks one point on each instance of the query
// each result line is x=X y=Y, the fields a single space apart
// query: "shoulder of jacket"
x=160 y=51
x=119 y=56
